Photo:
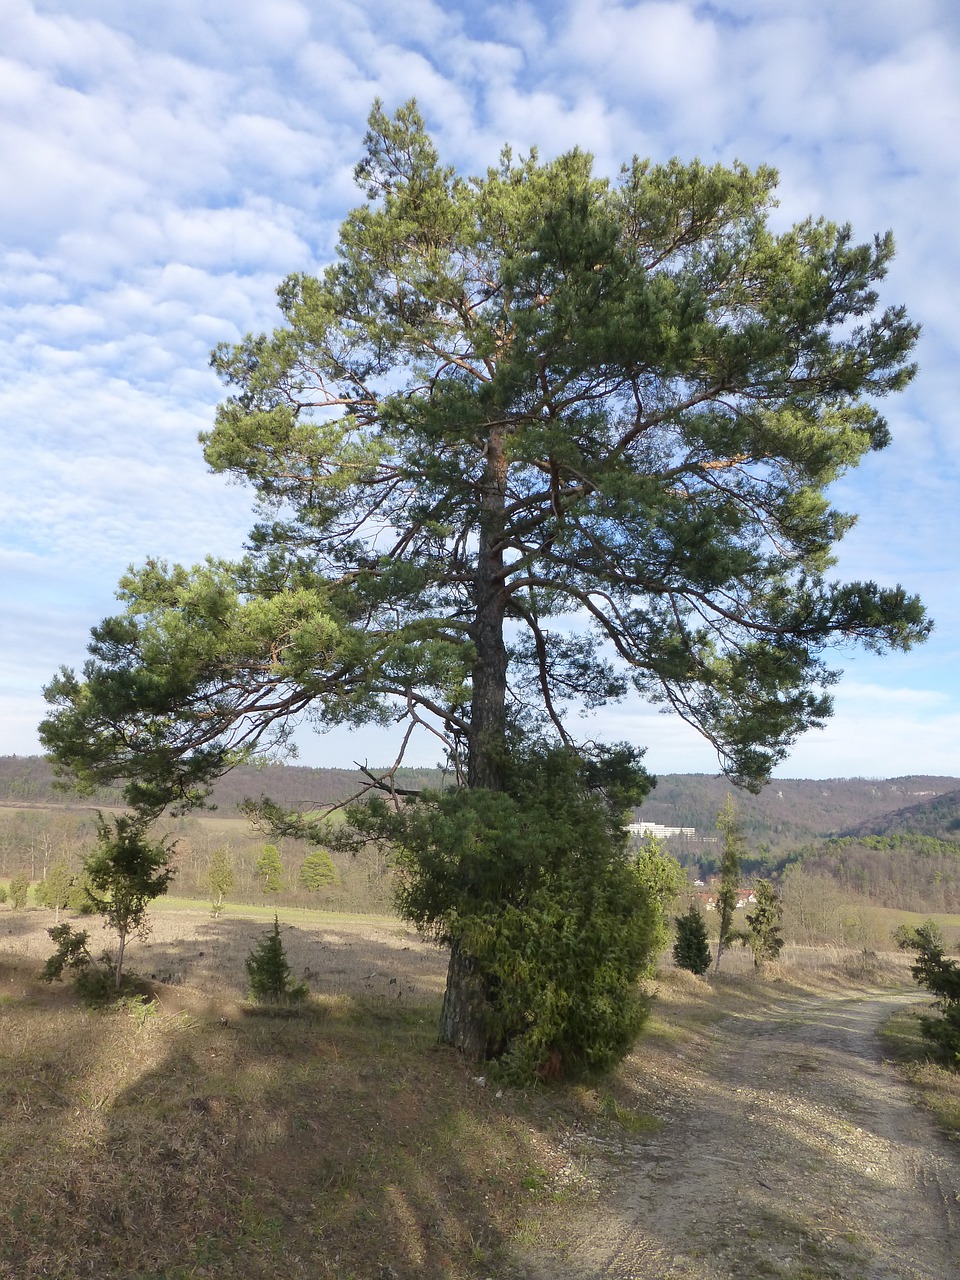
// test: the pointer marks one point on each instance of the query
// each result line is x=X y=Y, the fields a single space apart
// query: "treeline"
x=34 y=840
x=904 y=871
x=938 y=817
x=790 y=812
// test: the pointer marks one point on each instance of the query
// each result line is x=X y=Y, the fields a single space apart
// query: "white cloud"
x=166 y=165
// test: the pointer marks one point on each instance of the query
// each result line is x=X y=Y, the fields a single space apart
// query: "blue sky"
x=166 y=164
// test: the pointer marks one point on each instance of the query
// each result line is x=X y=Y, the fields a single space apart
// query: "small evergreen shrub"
x=318 y=871
x=94 y=980
x=763 y=924
x=691 y=950
x=269 y=869
x=536 y=892
x=19 y=889
x=940 y=976
x=269 y=974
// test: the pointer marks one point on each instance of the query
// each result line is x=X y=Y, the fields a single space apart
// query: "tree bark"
x=485 y=763
x=465 y=1020
x=467 y=1014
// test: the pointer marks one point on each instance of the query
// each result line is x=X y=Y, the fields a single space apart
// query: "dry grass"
x=142 y=1143
x=374 y=956
x=195 y=1138
x=939 y=1088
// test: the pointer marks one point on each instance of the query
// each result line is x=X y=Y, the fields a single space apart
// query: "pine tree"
x=271 y=979
x=513 y=402
x=691 y=950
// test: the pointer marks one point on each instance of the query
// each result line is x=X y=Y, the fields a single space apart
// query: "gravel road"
x=794 y=1153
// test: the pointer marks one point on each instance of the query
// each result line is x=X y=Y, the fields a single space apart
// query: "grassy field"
x=192 y=1136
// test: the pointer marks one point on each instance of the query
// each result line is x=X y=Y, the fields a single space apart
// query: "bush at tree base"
x=535 y=885
x=940 y=976
x=691 y=950
x=270 y=976
x=94 y=979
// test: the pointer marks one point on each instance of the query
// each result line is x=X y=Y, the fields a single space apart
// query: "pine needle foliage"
x=537 y=886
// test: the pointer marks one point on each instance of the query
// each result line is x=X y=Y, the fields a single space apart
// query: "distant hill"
x=791 y=811
x=29 y=780
x=788 y=813
x=938 y=816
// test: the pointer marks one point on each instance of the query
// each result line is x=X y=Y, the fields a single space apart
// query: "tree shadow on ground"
x=339 y=1143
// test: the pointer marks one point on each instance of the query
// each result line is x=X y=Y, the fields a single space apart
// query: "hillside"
x=30 y=780
x=791 y=811
x=938 y=816
x=788 y=813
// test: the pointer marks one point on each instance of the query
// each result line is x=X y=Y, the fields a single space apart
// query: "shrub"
x=94 y=980
x=940 y=976
x=126 y=871
x=318 y=871
x=55 y=891
x=79 y=898
x=763 y=924
x=220 y=877
x=19 y=890
x=271 y=980
x=691 y=950
x=269 y=869
x=537 y=894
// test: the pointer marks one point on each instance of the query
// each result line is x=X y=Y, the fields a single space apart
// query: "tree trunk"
x=465 y=1018
x=485 y=762
x=121 y=947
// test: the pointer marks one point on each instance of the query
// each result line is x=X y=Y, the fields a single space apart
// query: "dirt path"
x=794 y=1153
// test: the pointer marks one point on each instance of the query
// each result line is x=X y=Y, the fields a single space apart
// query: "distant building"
x=658 y=829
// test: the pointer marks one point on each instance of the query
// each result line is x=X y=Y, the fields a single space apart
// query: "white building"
x=658 y=829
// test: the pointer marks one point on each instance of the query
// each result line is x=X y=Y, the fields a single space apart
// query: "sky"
x=166 y=163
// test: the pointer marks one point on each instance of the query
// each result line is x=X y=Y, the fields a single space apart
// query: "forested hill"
x=31 y=780
x=937 y=816
x=788 y=812
x=791 y=811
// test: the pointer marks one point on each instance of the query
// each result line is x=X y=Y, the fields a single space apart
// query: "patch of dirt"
x=790 y=1150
